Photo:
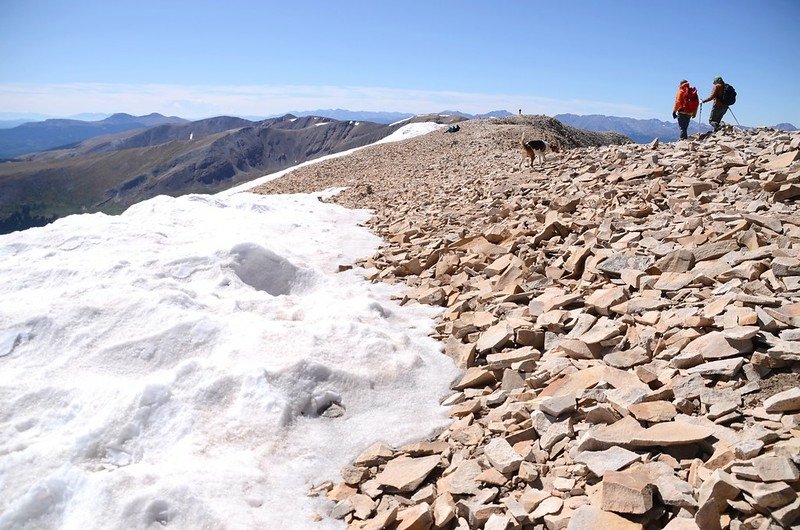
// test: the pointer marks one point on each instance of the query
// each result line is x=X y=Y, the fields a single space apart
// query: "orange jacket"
x=716 y=94
x=679 y=101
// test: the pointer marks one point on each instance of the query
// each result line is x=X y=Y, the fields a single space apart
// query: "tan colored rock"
x=432 y=296
x=786 y=401
x=425 y=448
x=495 y=337
x=611 y=459
x=714 y=345
x=671 y=433
x=492 y=477
x=603 y=330
x=405 y=474
x=678 y=261
x=546 y=507
x=775 y=469
x=602 y=299
x=363 y=506
x=506 y=359
x=593 y=518
x=502 y=456
x=627 y=492
x=784 y=160
x=382 y=520
x=653 y=411
x=723 y=367
x=583 y=379
x=375 y=454
x=418 y=517
x=719 y=488
x=707 y=516
x=628 y=358
x=354 y=475
x=673 y=491
x=462 y=481
x=340 y=492
x=558 y=406
x=444 y=510
x=674 y=281
x=497 y=521
x=619 y=433
x=475 y=377
x=768 y=495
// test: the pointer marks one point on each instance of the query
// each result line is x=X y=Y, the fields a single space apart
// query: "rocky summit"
x=627 y=318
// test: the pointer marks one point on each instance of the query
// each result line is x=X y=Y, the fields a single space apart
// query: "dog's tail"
x=522 y=139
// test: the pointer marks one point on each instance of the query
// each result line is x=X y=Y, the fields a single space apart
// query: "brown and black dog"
x=536 y=149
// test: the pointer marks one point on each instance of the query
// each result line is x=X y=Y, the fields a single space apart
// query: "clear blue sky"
x=201 y=58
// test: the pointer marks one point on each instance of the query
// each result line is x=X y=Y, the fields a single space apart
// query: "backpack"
x=728 y=95
x=689 y=100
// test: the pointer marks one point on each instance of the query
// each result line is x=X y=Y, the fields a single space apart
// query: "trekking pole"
x=734 y=117
x=700 y=120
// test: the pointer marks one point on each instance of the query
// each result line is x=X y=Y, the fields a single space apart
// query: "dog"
x=536 y=149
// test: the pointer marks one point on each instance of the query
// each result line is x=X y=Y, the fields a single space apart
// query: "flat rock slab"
x=611 y=459
x=722 y=367
x=653 y=411
x=776 y=469
x=619 y=433
x=558 y=406
x=786 y=401
x=589 y=377
x=475 y=377
x=615 y=264
x=715 y=345
x=495 y=337
x=671 y=433
x=590 y=517
x=405 y=474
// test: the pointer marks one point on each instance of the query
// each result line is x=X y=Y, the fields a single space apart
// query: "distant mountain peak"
x=641 y=130
x=121 y=116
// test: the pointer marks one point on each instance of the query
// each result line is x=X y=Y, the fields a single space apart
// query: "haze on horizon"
x=192 y=60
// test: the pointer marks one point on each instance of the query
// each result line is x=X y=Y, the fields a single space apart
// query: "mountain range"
x=36 y=136
x=110 y=172
x=65 y=166
x=641 y=131
x=392 y=117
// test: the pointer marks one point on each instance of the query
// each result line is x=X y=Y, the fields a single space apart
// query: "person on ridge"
x=685 y=107
x=720 y=108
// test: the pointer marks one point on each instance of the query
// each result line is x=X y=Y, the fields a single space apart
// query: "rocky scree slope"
x=628 y=322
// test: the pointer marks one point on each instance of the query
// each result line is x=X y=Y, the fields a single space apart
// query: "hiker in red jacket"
x=720 y=108
x=685 y=108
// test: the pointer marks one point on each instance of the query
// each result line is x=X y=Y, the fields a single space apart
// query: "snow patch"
x=198 y=362
x=403 y=133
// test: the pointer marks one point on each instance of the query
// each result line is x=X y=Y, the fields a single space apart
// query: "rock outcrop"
x=627 y=318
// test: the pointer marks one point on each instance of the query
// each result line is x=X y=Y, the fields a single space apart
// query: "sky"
x=204 y=58
x=158 y=369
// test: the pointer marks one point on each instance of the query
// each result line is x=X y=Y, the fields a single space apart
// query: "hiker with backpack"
x=685 y=107
x=723 y=96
